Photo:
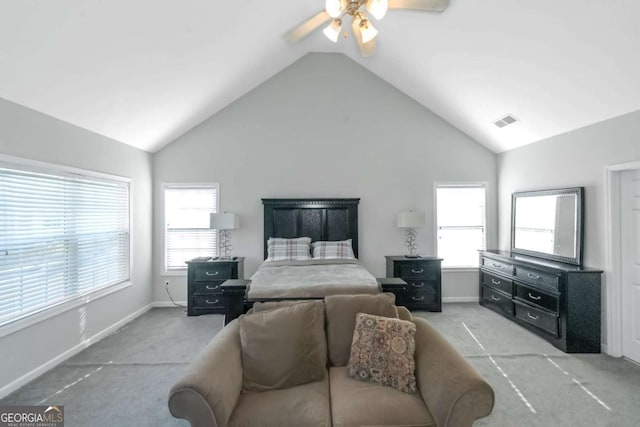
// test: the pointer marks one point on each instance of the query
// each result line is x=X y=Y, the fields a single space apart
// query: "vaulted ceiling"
x=144 y=72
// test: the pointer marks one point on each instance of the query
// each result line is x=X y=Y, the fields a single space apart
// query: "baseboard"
x=460 y=299
x=166 y=304
x=35 y=373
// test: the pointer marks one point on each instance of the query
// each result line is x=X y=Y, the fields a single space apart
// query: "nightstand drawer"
x=204 y=288
x=215 y=271
x=496 y=300
x=539 y=278
x=208 y=301
x=421 y=286
x=499 y=283
x=538 y=318
x=417 y=300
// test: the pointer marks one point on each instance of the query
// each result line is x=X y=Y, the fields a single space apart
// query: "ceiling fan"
x=359 y=10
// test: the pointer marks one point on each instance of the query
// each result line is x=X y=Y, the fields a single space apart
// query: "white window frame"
x=81 y=299
x=188 y=185
x=460 y=184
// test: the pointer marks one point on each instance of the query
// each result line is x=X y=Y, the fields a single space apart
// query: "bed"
x=320 y=220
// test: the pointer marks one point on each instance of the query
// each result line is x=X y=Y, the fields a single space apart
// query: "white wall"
x=29 y=134
x=326 y=127
x=574 y=159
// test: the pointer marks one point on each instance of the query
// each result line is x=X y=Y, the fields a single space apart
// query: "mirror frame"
x=579 y=193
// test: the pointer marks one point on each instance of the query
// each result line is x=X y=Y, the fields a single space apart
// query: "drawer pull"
x=208 y=273
x=211 y=288
x=493 y=297
x=496 y=282
x=535 y=298
x=533 y=276
x=417 y=285
x=215 y=301
x=531 y=316
x=420 y=298
x=496 y=265
x=417 y=271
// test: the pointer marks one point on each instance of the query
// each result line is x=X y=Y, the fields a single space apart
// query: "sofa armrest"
x=209 y=389
x=452 y=389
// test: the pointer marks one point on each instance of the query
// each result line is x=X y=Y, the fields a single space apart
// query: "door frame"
x=613 y=252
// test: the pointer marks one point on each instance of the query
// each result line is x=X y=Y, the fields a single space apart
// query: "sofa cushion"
x=283 y=347
x=303 y=405
x=357 y=403
x=382 y=352
x=341 y=313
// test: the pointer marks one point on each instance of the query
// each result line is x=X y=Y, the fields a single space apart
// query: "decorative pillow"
x=341 y=313
x=283 y=347
x=382 y=352
x=279 y=249
x=333 y=250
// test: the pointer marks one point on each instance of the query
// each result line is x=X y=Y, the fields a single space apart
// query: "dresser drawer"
x=497 y=300
x=538 y=298
x=215 y=271
x=417 y=270
x=417 y=300
x=204 y=288
x=208 y=301
x=499 y=266
x=542 y=279
x=500 y=283
x=421 y=286
x=538 y=318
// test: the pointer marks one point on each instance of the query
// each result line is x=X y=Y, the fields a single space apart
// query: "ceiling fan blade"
x=426 y=5
x=308 y=26
x=366 y=49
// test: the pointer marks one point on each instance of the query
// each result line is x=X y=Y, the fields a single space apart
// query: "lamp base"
x=412 y=256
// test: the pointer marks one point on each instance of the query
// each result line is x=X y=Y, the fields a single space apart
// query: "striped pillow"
x=333 y=250
x=279 y=249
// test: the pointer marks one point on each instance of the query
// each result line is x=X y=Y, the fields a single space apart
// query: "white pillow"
x=279 y=249
x=333 y=250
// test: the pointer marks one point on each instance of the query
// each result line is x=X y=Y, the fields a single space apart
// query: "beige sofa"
x=450 y=391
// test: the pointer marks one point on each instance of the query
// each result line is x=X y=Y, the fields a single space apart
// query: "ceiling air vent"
x=505 y=121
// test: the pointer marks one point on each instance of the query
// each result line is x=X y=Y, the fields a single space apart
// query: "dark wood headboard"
x=320 y=219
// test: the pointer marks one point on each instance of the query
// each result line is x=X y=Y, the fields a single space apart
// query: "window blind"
x=62 y=235
x=460 y=218
x=187 y=232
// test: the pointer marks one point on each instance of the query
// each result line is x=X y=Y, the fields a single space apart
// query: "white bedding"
x=311 y=279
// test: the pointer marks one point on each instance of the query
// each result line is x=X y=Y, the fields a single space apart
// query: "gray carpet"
x=124 y=379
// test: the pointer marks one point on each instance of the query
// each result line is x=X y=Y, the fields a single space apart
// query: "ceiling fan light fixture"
x=335 y=8
x=332 y=31
x=377 y=8
x=367 y=31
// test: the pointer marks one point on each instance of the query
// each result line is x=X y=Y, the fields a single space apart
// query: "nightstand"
x=204 y=280
x=423 y=277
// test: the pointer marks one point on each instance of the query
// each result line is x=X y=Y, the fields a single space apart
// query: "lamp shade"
x=411 y=219
x=224 y=221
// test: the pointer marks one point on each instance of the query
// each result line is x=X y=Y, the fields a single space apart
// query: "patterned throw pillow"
x=382 y=352
x=279 y=249
x=333 y=250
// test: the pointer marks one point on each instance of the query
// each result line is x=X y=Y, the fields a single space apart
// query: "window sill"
x=460 y=269
x=174 y=273
x=47 y=313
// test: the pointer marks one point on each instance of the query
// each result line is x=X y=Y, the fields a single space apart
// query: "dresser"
x=423 y=277
x=559 y=302
x=204 y=280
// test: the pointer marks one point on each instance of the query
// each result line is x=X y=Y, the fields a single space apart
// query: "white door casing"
x=630 y=263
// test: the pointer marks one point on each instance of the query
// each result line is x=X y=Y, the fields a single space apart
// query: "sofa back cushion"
x=341 y=313
x=283 y=347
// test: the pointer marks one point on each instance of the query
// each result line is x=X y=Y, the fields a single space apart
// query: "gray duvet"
x=311 y=279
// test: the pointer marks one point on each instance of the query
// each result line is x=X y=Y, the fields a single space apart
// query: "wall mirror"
x=548 y=224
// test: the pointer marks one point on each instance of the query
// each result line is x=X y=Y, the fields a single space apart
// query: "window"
x=63 y=234
x=186 y=218
x=460 y=223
